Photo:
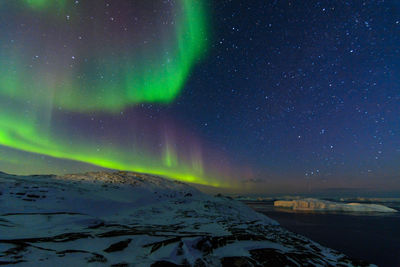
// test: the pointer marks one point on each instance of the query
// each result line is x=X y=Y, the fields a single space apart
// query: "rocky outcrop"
x=130 y=219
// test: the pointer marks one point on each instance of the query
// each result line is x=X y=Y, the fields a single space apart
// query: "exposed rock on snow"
x=312 y=204
x=125 y=218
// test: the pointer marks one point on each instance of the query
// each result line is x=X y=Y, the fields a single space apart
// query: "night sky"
x=258 y=96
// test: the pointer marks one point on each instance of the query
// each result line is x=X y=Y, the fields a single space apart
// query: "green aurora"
x=88 y=77
x=44 y=79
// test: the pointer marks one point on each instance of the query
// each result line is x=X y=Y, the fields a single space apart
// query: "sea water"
x=374 y=237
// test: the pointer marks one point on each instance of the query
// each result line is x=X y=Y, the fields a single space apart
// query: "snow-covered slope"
x=312 y=204
x=123 y=218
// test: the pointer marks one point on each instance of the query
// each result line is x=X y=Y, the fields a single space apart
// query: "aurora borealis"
x=102 y=65
x=93 y=60
x=256 y=95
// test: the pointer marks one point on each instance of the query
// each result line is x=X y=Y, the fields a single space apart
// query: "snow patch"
x=107 y=218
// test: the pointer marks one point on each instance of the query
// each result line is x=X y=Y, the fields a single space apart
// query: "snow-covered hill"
x=312 y=204
x=123 y=218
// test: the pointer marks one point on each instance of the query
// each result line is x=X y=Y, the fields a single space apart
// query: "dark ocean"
x=374 y=237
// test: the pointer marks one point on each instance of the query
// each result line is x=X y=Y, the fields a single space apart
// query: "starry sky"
x=255 y=96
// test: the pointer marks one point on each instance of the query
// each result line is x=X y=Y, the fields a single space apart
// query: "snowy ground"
x=131 y=219
x=312 y=204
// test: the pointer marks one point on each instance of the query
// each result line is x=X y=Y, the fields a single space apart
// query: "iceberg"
x=312 y=204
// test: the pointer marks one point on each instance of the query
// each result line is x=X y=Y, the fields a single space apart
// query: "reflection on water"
x=371 y=236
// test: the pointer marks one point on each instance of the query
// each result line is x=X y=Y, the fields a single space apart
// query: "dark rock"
x=199 y=263
x=95 y=226
x=119 y=246
x=237 y=262
x=97 y=258
x=28 y=199
x=11 y=262
x=271 y=257
x=155 y=246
